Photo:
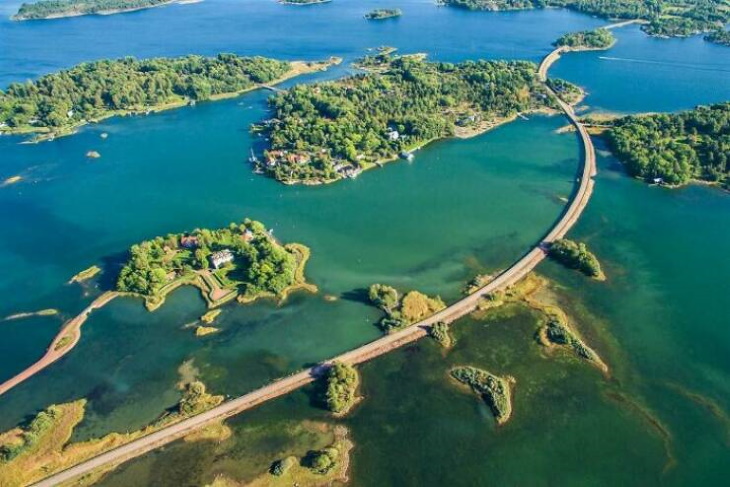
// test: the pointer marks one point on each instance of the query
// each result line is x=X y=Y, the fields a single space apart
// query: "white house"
x=221 y=258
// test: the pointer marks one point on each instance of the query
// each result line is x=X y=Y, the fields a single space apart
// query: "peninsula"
x=242 y=261
x=661 y=18
x=674 y=149
x=57 y=104
x=56 y=9
x=326 y=132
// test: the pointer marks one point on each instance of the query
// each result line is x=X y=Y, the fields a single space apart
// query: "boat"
x=252 y=158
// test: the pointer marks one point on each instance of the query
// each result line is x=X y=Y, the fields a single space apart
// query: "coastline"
x=43 y=134
x=15 y=18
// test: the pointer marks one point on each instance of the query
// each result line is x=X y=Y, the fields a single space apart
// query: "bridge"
x=580 y=197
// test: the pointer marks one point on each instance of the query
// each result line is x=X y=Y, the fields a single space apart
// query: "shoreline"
x=43 y=134
x=15 y=17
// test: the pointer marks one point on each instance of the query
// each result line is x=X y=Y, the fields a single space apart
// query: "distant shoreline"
x=70 y=14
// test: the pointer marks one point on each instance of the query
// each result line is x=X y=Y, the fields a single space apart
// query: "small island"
x=660 y=18
x=587 y=40
x=441 y=334
x=494 y=390
x=675 y=149
x=402 y=311
x=56 y=9
x=325 y=132
x=383 y=13
x=342 y=384
x=57 y=104
x=575 y=255
x=303 y=2
x=242 y=261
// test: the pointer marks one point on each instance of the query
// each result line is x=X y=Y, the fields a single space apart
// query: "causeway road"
x=579 y=200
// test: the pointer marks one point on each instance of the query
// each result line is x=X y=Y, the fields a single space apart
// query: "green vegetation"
x=440 y=333
x=342 y=383
x=558 y=333
x=30 y=454
x=401 y=312
x=242 y=259
x=675 y=148
x=667 y=18
x=64 y=342
x=86 y=274
x=210 y=316
x=280 y=467
x=575 y=255
x=720 y=36
x=323 y=132
x=587 y=39
x=201 y=331
x=57 y=103
x=322 y=461
x=568 y=92
x=494 y=390
x=383 y=13
x=51 y=9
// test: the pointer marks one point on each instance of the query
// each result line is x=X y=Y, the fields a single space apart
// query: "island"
x=575 y=255
x=55 y=9
x=242 y=261
x=383 y=13
x=325 y=132
x=342 y=384
x=587 y=40
x=662 y=18
x=719 y=36
x=57 y=104
x=402 y=311
x=441 y=334
x=494 y=390
x=303 y=2
x=675 y=149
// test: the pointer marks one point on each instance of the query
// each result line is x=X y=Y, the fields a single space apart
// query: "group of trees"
x=45 y=9
x=95 y=89
x=401 y=312
x=342 y=384
x=493 y=389
x=719 y=36
x=675 y=147
x=575 y=255
x=260 y=264
x=353 y=120
x=670 y=18
x=591 y=39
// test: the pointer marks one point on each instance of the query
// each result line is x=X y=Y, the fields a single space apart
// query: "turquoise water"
x=460 y=208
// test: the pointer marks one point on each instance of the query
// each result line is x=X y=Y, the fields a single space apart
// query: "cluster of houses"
x=346 y=170
x=276 y=157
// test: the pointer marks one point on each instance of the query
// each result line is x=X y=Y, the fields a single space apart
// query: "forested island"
x=401 y=311
x=383 y=13
x=58 y=103
x=242 y=261
x=494 y=390
x=664 y=18
x=342 y=383
x=675 y=149
x=54 y=9
x=720 y=36
x=587 y=39
x=328 y=131
x=575 y=255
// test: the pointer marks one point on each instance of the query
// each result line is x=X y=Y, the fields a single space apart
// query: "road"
x=520 y=269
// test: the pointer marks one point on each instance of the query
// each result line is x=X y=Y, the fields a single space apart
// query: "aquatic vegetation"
x=201 y=331
x=575 y=255
x=401 y=312
x=495 y=390
x=86 y=274
x=342 y=383
x=587 y=39
x=675 y=148
x=210 y=316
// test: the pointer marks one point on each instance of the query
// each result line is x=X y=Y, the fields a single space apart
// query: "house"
x=189 y=241
x=247 y=235
x=408 y=156
x=221 y=258
x=392 y=134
